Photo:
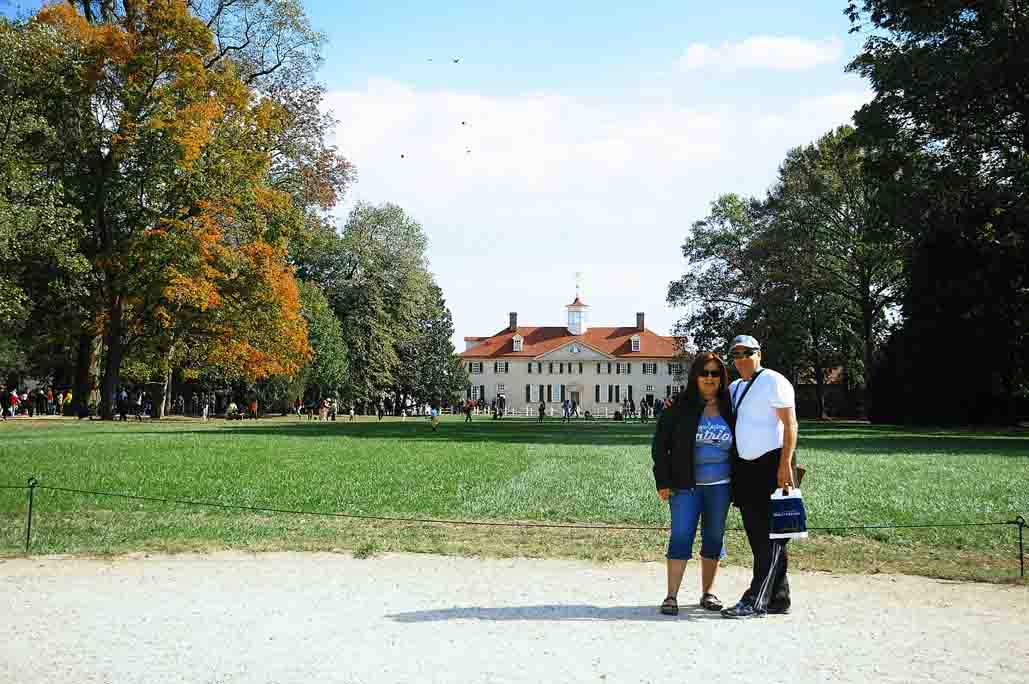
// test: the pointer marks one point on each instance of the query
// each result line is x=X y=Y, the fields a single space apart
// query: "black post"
x=1020 y=521
x=28 y=526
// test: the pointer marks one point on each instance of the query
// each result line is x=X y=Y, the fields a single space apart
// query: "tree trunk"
x=83 y=385
x=168 y=392
x=819 y=387
x=159 y=405
x=112 y=367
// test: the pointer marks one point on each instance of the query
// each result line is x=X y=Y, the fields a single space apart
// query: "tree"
x=40 y=267
x=843 y=252
x=948 y=140
x=326 y=372
x=430 y=356
x=375 y=275
x=174 y=150
x=744 y=273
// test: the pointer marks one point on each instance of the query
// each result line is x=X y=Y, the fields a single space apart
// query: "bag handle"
x=736 y=405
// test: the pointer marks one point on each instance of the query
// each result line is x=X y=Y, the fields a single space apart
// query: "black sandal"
x=710 y=602
x=669 y=606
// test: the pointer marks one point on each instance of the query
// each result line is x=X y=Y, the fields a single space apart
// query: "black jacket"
x=675 y=440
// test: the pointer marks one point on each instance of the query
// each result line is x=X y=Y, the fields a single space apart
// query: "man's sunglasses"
x=705 y=373
x=746 y=353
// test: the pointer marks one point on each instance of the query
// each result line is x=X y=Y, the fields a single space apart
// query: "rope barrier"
x=358 y=516
x=33 y=484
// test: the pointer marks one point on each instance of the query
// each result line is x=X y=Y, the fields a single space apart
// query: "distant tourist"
x=542 y=411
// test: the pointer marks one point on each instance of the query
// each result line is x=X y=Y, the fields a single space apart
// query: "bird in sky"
x=456 y=60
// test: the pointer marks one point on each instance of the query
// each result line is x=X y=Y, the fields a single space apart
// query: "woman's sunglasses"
x=705 y=373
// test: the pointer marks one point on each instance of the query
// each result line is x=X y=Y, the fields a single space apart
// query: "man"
x=766 y=436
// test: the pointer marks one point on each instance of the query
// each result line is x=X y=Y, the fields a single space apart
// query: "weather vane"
x=578 y=283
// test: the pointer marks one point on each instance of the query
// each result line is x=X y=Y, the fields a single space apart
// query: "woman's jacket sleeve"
x=659 y=452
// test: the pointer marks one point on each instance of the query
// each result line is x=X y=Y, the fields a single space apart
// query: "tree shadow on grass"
x=417 y=429
x=555 y=612
x=929 y=446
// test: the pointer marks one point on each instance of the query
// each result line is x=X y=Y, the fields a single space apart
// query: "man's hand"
x=785 y=477
x=664 y=493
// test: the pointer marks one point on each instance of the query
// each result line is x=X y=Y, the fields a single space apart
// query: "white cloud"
x=556 y=184
x=778 y=53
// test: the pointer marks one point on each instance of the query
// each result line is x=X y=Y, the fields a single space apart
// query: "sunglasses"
x=705 y=373
x=746 y=353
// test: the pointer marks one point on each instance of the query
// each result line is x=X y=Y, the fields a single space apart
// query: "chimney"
x=513 y=324
x=639 y=320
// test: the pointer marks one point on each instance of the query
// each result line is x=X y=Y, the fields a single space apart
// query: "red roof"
x=538 y=340
x=475 y=339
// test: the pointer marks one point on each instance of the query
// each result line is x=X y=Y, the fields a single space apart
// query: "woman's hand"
x=664 y=493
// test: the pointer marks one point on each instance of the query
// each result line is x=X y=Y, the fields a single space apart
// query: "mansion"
x=597 y=368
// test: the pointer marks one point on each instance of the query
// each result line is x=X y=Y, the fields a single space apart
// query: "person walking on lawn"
x=692 y=452
x=763 y=405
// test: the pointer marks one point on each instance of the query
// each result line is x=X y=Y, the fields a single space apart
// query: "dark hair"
x=691 y=396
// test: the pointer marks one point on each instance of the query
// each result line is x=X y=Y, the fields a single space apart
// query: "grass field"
x=511 y=470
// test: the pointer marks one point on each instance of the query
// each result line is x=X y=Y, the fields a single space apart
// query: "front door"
x=575 y=398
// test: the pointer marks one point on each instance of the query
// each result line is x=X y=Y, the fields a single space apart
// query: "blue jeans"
x=707 y=504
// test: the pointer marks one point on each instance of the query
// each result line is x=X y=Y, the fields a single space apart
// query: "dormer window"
x=517 y=340
x=635 y=343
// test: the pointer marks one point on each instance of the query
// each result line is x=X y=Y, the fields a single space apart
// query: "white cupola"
x=577 y=315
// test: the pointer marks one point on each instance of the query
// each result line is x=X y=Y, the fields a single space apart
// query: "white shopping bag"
x=788 y=517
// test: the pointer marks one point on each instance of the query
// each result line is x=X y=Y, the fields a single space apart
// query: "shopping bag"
x=788 y=518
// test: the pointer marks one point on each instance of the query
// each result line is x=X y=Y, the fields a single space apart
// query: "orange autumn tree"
x=167 y=164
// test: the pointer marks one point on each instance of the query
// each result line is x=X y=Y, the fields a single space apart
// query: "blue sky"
x=595 y=133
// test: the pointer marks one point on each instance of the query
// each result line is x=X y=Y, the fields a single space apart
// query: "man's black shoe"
x=742 y=611
x=778 y=608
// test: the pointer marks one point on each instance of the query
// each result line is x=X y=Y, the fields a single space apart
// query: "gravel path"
x=285 y=617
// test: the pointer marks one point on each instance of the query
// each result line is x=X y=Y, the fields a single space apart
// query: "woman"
x=692 y=452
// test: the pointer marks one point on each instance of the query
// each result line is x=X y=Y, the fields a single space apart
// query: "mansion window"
x=650 y=389
x=675 y=369
x=635 y=343
x=650 y=368
x=501 y=367
x=501 y=388
x=517 y=343
x=475 y=367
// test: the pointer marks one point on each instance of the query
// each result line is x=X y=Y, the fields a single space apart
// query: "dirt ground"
x=290 y=617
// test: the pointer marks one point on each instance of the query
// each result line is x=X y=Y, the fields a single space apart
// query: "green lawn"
x=511 y=470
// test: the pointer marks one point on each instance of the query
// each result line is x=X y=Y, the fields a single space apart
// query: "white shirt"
x=758 y=428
